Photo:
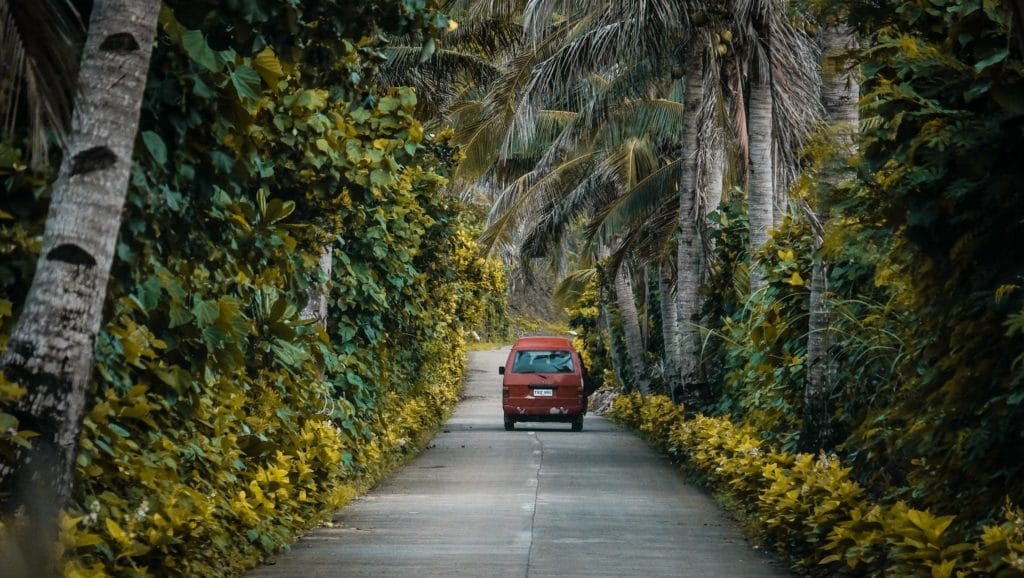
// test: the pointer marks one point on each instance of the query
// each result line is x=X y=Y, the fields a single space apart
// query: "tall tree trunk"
x=626 y=300
x=761 y=195
x=669 y=325
x=840 y=92
x=780 y=201
x=644 y=312
x=712 y=198
x=690 y=250
x=50 y=352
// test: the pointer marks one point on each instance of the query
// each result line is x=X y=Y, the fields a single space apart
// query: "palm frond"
x=40 y=43
x=796 y=94
x=646 y=243
x=638 y=203
x=529 y=194
x=573 y=284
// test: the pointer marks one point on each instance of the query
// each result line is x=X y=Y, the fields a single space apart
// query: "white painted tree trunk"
x=761 y=196
x=840 y=92
x=690 y=250
x=50 y=352
x=780 y=202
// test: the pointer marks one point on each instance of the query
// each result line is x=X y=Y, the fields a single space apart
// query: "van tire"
x=577 y=423
x=510 y=423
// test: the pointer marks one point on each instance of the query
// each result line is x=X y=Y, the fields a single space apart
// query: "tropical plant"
x=50 y=351
x=840 y=92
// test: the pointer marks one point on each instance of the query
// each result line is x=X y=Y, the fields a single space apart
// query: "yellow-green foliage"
x=658 y=416
x=592 y=340
x=625 y=409
x=808 y=507
x=222 y=422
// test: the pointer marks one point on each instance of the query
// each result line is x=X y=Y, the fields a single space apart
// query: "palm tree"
x=689 y=253
x=780 y=62
x=50 y=352
x=460 y=67
x=840 y=90
x=669 y=320
x=532 y=135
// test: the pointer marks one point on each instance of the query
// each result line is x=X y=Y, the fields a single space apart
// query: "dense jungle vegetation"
x=224 y=419
x=789 y=230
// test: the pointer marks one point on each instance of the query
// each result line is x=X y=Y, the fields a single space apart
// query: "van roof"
x=543 y=342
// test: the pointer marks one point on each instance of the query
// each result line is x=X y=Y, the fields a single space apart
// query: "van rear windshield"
x=534 y=361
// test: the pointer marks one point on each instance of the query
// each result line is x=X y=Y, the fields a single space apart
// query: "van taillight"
x=504 y=393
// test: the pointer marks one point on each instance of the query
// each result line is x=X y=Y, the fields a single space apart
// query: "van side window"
x=533 y=361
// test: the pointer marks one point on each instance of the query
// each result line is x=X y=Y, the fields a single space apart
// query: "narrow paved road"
x=539 y=501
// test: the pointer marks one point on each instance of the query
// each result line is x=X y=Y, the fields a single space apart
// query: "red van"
x=543 y=381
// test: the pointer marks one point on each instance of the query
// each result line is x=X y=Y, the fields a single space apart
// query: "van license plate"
x=543 y=392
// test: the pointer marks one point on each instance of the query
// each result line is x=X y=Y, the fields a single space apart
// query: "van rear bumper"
x=557 y=413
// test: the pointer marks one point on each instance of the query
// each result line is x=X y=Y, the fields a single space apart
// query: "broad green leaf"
x=155 y=145
x=195 y=45
x=119 y=430
x=997 y=57
x=206 y=312
x=428 y=50
x=247 y=83
x=311 y=99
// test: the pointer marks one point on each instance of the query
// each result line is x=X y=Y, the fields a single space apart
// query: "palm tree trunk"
x=690 y=249
x=761 y=196
x=839 y=97
x=631 y=335
x=625 y=299
x=50 y=352
x=712 y=199
x=780 y=202
x=669 y=325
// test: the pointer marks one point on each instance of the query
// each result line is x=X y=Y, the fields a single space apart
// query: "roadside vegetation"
x=793 y=220
x=289 y=297
x=788 y=231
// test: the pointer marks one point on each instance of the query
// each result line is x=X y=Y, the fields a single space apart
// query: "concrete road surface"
x=538 y=501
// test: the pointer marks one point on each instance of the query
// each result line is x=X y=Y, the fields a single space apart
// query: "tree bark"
x=50 y=352
x=625 y=299
x=839 y=97
x=631 y=335
x=761 y=195
x=712 y=198
x=690 y=248
x=669 y=325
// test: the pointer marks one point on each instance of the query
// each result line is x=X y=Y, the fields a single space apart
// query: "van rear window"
x=534 y=361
